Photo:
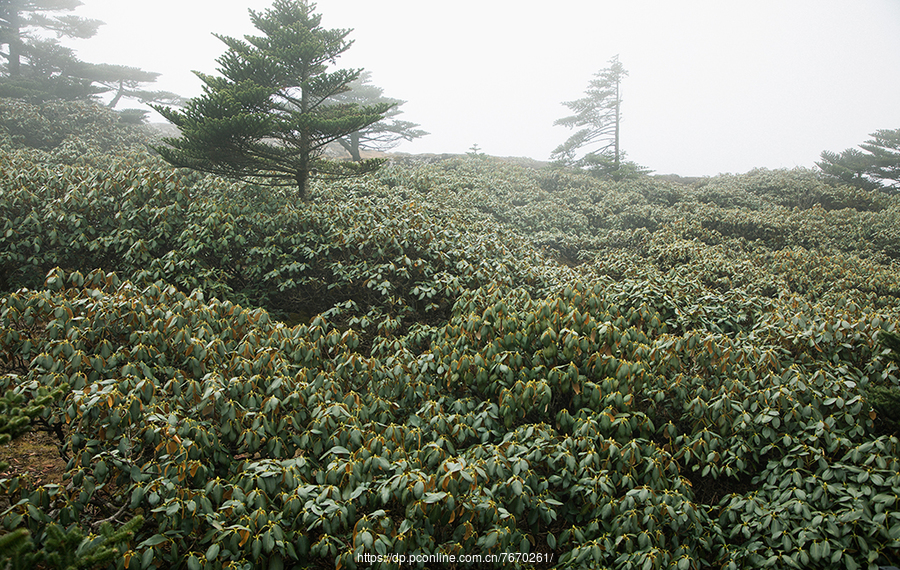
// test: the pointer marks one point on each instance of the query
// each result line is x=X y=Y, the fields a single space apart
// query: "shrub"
x=47 y=125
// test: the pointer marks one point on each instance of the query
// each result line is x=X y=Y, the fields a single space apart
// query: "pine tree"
x=36 y=67
x=386 y=133
x=126 y=82
x=50 y=72
x=877 y=167
x=270 y=115
x=884 y=150
x=598 y=116
x=20 y=18
x=849 y=167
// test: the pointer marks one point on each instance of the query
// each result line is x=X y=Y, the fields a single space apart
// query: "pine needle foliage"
x=268 y=117
x=877 y=167
x=65 y=549
x=17 y=413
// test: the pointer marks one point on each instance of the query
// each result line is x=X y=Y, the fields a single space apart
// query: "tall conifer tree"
x=35 y=67
x=877 y=167
x=269 y=116
x=598 y=118
x=884 y=148
x=383 y=135
x=20 y=18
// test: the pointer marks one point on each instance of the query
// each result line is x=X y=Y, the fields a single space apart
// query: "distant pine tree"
x=38 y=68
x=386 y=133
x=598 y=118
x=884 y=149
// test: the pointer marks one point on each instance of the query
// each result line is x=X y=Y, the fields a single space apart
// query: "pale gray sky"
x=714 y=85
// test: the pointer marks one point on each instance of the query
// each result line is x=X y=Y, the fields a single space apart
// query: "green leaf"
x=894 y=532
x=154 y=540
x=337 y=450
x=147 y=557
x=816 y=551
x=430 y=498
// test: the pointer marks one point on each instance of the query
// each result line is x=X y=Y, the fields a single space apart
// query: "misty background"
x=713 y=87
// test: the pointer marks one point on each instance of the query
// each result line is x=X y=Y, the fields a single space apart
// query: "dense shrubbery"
x=67 y=128
x=147 y=221
x=457 y=357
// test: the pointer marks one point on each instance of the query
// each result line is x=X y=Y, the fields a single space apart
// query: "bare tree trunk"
x=302 y=184
x=303 y=173
x=351 y=146
x=618 y=120
x=115 y=101
x=354 y=146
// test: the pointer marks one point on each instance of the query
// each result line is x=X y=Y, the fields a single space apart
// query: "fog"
x=713 y=86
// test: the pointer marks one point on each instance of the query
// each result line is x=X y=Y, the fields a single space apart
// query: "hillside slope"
x=455 y=358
